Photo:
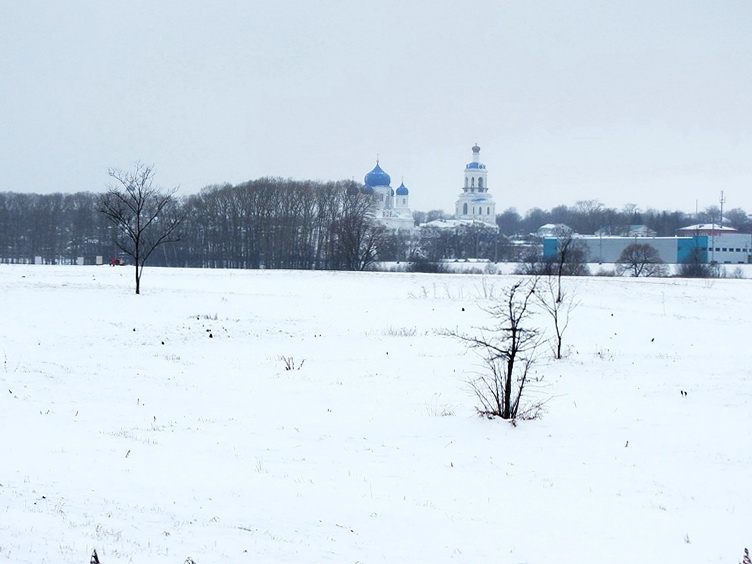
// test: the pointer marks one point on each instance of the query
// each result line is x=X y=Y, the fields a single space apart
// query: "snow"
x=163 y=426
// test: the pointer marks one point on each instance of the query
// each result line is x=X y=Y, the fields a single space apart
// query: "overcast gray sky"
x=645 y=102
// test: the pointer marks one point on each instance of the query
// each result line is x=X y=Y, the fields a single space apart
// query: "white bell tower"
x=475 y=202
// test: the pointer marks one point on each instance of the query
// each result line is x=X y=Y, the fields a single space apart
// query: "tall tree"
x=358 y=235
x=738 y=219
x=144 y=216
x=509 y=222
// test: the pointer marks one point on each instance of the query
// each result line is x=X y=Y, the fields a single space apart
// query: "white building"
x=724 y=248
x=475 y=202
x=727 y=247
x=723 y=245
x=392 y=207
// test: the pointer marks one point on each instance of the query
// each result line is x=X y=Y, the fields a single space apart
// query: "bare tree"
x=591 y=215
x=570 y=259
x=738 y=219
x=640 y=259
x=508 y=350
x=558 y=303
x=144 y=217
x=711 y=214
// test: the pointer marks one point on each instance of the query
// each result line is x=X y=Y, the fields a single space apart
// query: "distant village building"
x=460 y=224
x=640 y=231
x=704 y=229
x=553 y=230
x=475 y=202
x=631 y=231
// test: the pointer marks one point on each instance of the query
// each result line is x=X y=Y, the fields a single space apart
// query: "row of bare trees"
x=57 y=228
x=276 y=223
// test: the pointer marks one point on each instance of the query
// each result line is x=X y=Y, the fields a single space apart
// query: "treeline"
x=56 y=227
x=278 y=223
x=265 y=223
x=273 y=223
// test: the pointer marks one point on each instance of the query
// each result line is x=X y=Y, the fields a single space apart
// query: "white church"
x=392 y=207
x=475 y=204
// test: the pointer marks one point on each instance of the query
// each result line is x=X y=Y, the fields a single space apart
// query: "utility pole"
x=722 y=199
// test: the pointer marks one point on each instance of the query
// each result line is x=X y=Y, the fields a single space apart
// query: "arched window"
x=472 y=182
x=488 y=210
x=480 y=183
x=464 y=209
x=466 y=182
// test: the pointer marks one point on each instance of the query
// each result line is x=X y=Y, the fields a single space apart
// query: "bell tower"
x=476 y=174
x=475 y=202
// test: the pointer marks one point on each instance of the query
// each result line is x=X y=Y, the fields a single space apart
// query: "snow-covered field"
x=158 y=427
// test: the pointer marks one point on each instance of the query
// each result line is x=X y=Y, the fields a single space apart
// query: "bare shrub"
x=696 y=266
x=437 y=409
x=401 y=331
x=290 y=363
x=508 y=350
x=737 y=273
x=421 y=264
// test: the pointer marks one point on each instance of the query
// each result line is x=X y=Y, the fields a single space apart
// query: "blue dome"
x=391 y=191
x=402 y=190
x=475 y=165
x=377 y=177
x=366 y=190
